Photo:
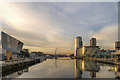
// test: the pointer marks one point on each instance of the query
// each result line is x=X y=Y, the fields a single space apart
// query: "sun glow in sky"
x=46 y=26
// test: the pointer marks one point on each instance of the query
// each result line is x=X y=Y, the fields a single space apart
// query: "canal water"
x=68 y=68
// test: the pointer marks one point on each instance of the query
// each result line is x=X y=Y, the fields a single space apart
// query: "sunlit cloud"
x=107 y=36
x=55 y=25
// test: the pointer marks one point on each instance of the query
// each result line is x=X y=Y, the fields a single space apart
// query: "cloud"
x=50 y=25
x=37 y=30
x=107 y=36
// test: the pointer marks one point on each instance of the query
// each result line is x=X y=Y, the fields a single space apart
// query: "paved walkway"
x=3 y=63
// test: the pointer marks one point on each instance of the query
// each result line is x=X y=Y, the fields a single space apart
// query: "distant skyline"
x=46 y=26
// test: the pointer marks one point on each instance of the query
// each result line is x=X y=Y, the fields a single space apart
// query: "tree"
x=25 y=53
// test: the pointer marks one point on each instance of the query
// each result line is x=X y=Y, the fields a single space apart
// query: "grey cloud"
x=65 y=21
x=26 y=37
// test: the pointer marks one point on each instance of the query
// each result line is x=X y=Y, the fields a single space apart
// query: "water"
x=68 y=68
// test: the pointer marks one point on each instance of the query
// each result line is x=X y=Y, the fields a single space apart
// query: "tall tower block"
x=93 y=42
x=78 y=44
x=117 y=45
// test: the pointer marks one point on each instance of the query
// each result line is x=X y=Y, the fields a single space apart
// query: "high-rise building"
x=78 y=44
x=82 y=51
x=117 y=45
x=93 y=42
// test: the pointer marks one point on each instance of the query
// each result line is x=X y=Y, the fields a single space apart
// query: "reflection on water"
x=18 y=73
x=90 y=69
x=116 y=69
x=68 y=68
x=89 y=66
x=55 y=63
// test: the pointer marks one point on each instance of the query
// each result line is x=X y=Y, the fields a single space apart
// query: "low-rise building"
x=36 y=54
x=107 y=51
x=88 y=51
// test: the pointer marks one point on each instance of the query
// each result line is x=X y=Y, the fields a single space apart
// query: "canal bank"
x=11 y=67
x=104 y=60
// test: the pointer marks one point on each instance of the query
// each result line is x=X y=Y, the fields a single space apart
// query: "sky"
x=45 y=26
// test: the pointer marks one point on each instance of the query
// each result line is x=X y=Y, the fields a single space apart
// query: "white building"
x=88 y=51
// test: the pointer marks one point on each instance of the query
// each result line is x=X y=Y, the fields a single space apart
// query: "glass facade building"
x=10 y=44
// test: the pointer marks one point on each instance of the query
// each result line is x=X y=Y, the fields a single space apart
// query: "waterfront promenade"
x=104 y=60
